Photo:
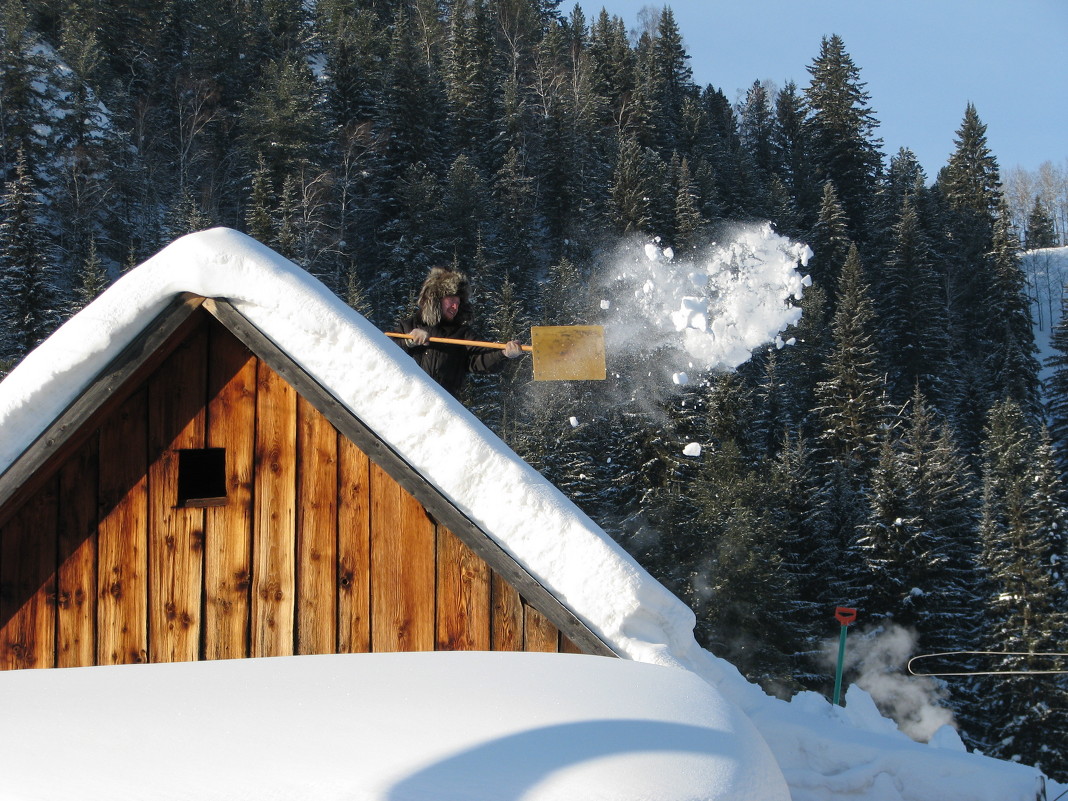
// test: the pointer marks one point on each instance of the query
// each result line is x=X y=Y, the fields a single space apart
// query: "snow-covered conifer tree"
x=27 y=288
x=841 y=128
x=1022 y=532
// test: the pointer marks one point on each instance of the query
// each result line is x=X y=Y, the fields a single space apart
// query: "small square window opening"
x=202 y=477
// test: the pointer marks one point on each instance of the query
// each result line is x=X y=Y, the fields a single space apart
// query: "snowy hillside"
x=1047 y=273
x=825 y=753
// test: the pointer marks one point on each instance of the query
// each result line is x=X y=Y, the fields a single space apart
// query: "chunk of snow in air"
x=726 y=301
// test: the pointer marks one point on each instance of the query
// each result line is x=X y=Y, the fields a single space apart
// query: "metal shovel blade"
x=568 y=352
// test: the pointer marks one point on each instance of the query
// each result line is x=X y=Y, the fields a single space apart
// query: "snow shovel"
x=561 y=352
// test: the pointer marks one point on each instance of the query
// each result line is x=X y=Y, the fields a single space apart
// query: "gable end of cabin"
x=205 y=498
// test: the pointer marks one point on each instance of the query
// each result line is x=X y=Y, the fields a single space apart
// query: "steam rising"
x=875 y=662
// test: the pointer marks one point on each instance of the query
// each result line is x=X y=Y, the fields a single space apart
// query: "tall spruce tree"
x=830 y=241
x=473 y=83
x=284 y=119
x=355 y=44
x=919 y=547
x=410 y=243
x=890 y=541
x=632 y=188
x=971 y=179
x=514 y=201
x=851 y=412
x=794 y=164
x=720 y=147
x=1021 y=529
x=971 y=185
x=612 y=69
x=592 y=140
x=904 y=179
x=258 y=220
x=850 y=400
x=561 y=148
x=944 y=496
x=804 y=560
x=27 y=288
x=20 y=97
x=988 y=316
x=409 y=120
x=1013 y=365
x=755 y=125
x=92 y=281
x=79 y=193
x=912 y=314
x=688 y=224
x=1041 y=230
x=743 y=589
x=465 y=213
x=841 y=129
x=670 y=81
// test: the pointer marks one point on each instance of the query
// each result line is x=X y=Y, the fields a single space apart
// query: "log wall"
x=316 y=549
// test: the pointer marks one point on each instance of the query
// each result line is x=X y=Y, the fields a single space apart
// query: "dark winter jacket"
x=448 y=364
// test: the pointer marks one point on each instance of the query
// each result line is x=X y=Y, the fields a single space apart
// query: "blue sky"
x=923 y=61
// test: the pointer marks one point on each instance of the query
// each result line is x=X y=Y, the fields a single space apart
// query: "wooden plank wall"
x=317 y=550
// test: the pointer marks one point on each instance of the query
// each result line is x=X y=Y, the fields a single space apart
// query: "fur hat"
x=440 y=283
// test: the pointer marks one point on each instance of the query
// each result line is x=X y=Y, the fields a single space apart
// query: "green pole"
x=841 y=661
x=844 y=615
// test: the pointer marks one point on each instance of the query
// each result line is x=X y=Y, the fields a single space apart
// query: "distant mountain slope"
x=1047 y=272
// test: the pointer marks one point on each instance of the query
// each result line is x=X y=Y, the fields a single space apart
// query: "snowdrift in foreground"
x=380 y=727
x=824 y=752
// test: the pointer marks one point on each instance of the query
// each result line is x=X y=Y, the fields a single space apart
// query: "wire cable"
x=1043 y=655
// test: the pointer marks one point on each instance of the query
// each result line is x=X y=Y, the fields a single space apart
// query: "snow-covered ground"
x=457 y=726
x=824 y=752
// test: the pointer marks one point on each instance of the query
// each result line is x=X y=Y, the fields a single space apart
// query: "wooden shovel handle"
x=471 y=342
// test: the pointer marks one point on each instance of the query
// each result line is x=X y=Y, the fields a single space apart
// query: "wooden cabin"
x=206 y=498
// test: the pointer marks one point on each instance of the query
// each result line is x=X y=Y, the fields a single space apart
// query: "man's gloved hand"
x=513 y=350
x=419 y=337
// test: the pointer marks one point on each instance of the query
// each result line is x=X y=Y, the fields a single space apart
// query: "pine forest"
x=901 y=457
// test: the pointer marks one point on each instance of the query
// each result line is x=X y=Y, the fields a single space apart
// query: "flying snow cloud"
x=715 y=308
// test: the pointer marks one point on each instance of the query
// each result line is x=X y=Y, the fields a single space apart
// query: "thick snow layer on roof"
x=377 y=380
x=387 y=727
x=825 y=752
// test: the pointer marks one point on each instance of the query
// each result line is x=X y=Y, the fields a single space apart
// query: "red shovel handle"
x=845 y=615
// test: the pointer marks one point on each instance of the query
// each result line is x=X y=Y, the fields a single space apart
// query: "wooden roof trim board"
x=440 y=507
x=67 y=431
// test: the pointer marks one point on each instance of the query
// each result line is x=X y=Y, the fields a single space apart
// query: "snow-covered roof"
x=825 y=752
x=376 y=380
